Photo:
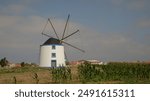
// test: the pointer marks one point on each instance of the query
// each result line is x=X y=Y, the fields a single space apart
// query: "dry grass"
x=26 y=77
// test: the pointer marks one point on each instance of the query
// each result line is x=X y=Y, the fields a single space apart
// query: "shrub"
x=113 y=72
x=61 y=75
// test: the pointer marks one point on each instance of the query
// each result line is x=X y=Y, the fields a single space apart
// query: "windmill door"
x=53 y=63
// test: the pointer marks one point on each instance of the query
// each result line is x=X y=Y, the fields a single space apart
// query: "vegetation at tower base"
x=126 y=72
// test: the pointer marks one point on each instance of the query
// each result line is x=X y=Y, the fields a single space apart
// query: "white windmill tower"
x=52 y=52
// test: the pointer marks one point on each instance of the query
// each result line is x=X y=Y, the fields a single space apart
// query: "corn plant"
x=61 y=75
x=128 y=72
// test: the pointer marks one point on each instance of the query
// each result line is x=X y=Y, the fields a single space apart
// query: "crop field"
x=112 y=73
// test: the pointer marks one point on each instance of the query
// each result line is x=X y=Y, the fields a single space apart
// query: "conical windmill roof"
x=52 y=41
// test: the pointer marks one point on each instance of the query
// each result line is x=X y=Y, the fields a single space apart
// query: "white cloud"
x=17 y=8
x=14 y=8
x=137 y=4
x=20 y=36
x=117 y=2
x=144 y=23
x=113 y=46
x=131 y=4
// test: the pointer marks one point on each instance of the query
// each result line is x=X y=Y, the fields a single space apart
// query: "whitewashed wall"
x=45 y=55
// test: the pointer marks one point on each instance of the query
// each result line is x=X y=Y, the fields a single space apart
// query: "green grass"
x=115 y=72
x=112 y=73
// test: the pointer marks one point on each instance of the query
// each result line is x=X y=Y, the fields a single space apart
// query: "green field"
x=112 y=73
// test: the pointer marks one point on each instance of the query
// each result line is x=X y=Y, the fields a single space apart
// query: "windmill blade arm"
x=70 y=35
x=73 y=46
x=53 y=27
x=65 y=26
x=45 y=26
x=47 y=35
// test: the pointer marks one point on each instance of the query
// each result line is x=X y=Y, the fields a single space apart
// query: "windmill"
x=52 y=52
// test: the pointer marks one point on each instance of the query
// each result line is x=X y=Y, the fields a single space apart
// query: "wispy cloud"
x=17 y=8
x=14 y=8
x=144 y=23
x=132 y=4
x=137 y=4
x=117 y=2
x=20 y=36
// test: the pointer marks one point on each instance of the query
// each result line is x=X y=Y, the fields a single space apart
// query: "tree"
x=4 y=62
x=22 y=64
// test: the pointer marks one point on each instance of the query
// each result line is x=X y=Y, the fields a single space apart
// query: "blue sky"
x=110 y=30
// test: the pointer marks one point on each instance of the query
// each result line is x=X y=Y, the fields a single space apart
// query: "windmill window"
x=53 y=63
x=53 y=47
x=53 y=55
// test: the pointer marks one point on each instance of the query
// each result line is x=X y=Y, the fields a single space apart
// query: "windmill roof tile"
x=52 y=41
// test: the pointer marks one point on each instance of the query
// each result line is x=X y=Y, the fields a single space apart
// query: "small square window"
x=53 y=47
x=53 y=55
